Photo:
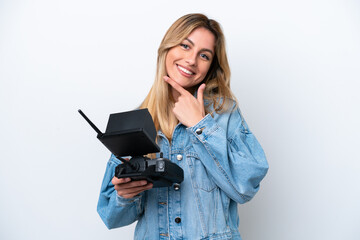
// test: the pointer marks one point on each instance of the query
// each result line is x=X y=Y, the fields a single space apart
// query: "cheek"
x=167 y=64
x=169 y=59
x=204 y=69
x=171 y=55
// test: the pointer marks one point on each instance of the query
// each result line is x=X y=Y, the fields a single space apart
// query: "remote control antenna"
x=90 y=122
x=134 y=167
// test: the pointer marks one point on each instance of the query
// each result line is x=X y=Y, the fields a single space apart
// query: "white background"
x=295 y=71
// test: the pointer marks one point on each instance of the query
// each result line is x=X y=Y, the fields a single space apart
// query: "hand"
x=129 y=189
x=188 y=109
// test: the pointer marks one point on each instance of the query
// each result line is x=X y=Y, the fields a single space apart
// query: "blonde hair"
x=159 y=100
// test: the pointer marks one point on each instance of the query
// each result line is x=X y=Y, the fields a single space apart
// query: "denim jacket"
x=223 y=165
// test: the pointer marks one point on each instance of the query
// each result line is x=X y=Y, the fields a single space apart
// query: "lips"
x=185 y=71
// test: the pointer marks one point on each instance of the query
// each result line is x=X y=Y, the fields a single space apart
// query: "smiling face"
x=189 y=62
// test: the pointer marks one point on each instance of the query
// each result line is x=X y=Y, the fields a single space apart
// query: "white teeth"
x=185 y=70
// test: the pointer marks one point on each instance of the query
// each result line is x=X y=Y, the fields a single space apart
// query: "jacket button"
x=179 y=157
x=176 y=187
x=178 y=220
x=198 y=131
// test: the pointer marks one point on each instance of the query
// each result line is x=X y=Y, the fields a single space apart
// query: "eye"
x=185 y=46
x=204 y=56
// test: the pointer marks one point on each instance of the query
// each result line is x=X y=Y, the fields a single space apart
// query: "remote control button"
x=198 y=131
x=160 y=166
x=178 y=220
x=179 y=157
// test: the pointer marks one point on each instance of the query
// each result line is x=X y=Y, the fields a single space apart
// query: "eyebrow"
x=204 y=49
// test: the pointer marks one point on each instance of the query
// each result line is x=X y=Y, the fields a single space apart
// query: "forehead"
x=202 y=38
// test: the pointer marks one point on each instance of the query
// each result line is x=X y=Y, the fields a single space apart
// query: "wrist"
x=196 y=120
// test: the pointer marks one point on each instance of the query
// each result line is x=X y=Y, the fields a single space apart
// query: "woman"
x=201 y=129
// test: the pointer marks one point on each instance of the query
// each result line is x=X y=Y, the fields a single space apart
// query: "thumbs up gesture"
x=188 y=109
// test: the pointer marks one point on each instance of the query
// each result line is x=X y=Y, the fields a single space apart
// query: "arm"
x=114 y=210
x=231 y=154
x=228 y=150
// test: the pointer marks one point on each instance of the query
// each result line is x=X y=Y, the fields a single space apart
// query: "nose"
x=191 y=58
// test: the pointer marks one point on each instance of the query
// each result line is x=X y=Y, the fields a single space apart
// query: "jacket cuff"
x=203 y=129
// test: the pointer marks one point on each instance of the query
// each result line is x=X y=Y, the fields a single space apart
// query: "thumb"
x=200 y=94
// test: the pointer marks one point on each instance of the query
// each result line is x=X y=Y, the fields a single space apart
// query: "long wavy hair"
x=159 y=100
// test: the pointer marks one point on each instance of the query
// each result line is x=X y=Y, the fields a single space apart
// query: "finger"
x=131 y=195
x=130 y=185
x=175 y=85
x=128 y=193
x=200 y=94
x=138 y=189
x=123 y=192
x=128 y=196
x=116 y=180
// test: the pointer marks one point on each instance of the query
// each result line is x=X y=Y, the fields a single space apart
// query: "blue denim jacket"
x=223 y=165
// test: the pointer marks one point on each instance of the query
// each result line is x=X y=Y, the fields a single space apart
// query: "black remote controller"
x=133 y=134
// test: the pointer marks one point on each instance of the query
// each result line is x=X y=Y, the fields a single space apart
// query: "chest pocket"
x=199 y=175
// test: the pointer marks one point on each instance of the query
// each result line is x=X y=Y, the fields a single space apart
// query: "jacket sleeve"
x=114 y=210
x=231 y=154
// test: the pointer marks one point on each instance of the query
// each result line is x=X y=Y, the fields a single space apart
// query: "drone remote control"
x=133 y=134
